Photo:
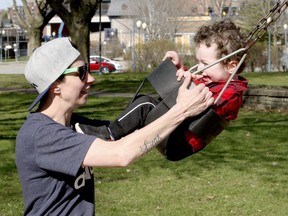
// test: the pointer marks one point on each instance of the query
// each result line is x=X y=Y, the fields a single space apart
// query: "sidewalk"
x=12 y=67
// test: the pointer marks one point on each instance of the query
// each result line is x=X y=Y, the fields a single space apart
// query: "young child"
x=212 y=42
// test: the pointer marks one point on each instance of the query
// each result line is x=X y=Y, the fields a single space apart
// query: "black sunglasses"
x=82 y=71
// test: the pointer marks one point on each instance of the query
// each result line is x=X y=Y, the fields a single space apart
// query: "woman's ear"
x=56 y=87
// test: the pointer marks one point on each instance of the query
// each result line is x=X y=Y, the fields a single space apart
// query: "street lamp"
x=1 y=46
x=144 y=27
x=138 y=25
x=16 y=51
x=3 y=33
x=269 y=50
x=285 y=28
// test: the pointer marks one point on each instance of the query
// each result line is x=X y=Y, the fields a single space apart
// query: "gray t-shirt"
x=49 y=158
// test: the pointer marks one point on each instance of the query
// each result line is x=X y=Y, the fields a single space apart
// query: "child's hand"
x=196 y=76
x=175 y=58
x=182 y=73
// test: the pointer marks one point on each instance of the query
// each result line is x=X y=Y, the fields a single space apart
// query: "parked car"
x=117 y=64
x=105 y=66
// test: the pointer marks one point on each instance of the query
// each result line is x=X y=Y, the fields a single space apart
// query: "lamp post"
x=133 y=47
x=138 y=25
x=144 y=27
x=3 y=33
x=269 y=51
x=285 y=28
x=1 y=46
x=15 y=45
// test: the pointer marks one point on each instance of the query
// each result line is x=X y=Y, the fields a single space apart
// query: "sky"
x=4 y=4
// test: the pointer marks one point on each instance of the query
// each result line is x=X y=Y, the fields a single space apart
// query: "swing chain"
x=263 y=23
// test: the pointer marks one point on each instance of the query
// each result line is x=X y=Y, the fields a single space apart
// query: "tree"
x=77 y=15
x=34 y=24
x=249 y=14
x=162 y=19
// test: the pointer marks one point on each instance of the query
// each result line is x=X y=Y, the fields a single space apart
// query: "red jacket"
x=227 y=107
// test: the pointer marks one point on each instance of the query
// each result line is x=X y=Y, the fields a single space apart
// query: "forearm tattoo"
x=148 y=145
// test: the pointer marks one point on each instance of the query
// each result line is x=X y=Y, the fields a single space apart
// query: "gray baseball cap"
x=47 y=64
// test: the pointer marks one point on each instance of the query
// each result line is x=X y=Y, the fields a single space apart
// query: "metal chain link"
x=254 y=35
x=263 y=23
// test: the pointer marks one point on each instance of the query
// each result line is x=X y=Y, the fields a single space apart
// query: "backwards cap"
x=47 y=64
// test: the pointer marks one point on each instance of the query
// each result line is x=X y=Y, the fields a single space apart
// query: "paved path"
x=12 y=68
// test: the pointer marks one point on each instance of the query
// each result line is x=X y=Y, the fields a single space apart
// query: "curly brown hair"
x=227 y=37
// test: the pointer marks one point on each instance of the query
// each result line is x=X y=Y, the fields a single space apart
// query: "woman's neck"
x=58 y=115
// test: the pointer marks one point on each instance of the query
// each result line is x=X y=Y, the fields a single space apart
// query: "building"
x=119 y=19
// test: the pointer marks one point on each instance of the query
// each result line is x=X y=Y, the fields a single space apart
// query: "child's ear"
x=231 y=67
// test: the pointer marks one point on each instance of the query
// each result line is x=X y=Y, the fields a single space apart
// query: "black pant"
x=133 y=117
x=174 y=148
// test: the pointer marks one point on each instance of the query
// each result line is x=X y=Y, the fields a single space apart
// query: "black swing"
x=208 y=125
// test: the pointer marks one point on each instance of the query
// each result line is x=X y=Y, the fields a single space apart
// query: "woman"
x=55 y=162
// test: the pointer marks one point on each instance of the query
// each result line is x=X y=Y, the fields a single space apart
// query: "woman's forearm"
x=126 y=150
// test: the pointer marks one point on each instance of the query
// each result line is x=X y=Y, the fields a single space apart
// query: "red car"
x=105 y=67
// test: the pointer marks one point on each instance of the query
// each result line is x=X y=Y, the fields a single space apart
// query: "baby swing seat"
x=207 y=125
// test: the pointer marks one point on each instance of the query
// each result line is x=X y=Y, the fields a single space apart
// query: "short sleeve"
x=60 y=149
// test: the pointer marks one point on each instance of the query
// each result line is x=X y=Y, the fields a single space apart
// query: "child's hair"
x=227 y=37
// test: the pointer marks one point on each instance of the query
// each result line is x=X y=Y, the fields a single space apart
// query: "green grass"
x=129 y=82
x=272 y=79
x=242 y=172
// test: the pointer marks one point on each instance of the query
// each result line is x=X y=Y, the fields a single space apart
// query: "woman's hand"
x=193 y=101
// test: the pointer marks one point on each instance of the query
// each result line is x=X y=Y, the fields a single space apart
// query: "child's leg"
x=133 y=117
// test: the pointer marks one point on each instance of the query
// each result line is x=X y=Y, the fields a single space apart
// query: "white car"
x=117 y=64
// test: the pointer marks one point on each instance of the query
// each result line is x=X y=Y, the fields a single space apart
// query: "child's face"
x=207 y=55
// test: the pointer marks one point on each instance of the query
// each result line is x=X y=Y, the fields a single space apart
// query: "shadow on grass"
x=255 y=143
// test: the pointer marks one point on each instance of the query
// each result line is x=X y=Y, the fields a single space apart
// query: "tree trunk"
x=80 y=36
x=34 y=40
x=77 y=19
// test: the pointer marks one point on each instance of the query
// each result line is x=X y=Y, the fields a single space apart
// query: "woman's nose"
x=90 y=78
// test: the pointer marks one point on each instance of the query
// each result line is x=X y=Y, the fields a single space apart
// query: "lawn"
x=242 y=172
